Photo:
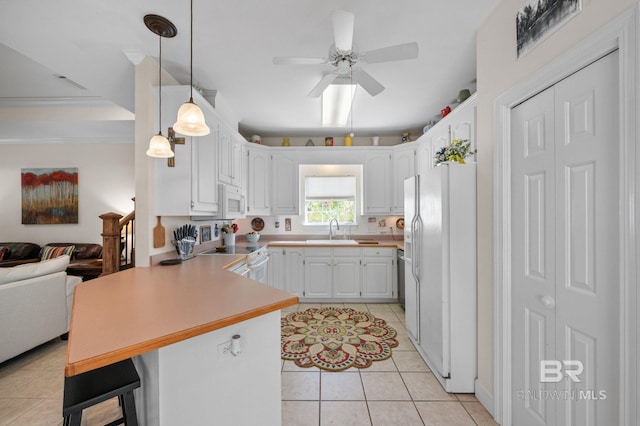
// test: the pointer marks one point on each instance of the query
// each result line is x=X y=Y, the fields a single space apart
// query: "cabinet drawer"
x=347 y=251
x=378 y=252
x=317 y=251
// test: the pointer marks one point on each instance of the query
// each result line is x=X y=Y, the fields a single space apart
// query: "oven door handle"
x=259 y=264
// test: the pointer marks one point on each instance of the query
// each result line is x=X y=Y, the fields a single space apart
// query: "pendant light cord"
x=160 y=87
x=191 y=57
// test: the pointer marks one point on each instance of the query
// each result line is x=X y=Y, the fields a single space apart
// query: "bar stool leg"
x=129 y=409
x=73 y=419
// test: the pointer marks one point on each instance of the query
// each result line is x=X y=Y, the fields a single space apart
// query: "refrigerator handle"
x=416 y=265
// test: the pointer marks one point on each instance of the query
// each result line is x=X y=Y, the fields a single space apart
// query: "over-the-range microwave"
x=231 y=204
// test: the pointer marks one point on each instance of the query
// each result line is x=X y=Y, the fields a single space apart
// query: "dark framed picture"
x=538 y=19
x=205 y=233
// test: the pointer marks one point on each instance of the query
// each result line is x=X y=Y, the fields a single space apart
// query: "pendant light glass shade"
x=190 y=117
x=159 y=147
x=191 y=120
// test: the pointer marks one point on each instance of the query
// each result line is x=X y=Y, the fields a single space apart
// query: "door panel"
x=587 y=244
x=565 y=248
x=533 y=228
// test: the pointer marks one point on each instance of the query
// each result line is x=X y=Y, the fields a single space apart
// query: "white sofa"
x=35 y=304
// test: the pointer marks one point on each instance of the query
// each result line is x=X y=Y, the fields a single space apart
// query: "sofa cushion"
x=51 y=252
x=19 y=251
x=4 y=251
x=82 y=251
x=31 y=270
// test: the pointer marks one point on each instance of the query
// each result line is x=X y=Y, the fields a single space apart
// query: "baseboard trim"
x=485 y=398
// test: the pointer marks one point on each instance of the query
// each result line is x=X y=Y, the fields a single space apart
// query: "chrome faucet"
x=337 y=226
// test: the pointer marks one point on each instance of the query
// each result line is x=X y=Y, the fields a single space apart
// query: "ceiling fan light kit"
x=191 y=120
x=346 y=59
x=159 y=146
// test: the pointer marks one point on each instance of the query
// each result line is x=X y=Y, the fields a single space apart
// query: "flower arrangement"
x=457 y=150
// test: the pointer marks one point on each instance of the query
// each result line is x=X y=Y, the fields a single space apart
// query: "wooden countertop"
x=378 y=243
x=142 y=309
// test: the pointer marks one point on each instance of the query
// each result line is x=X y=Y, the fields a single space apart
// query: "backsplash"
x=367 y=225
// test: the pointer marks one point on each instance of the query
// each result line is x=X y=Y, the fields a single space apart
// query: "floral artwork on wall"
x=49 y=196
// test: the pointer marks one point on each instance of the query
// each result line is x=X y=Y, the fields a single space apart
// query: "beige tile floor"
x=397 y=391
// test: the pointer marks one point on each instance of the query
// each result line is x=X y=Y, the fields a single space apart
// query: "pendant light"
x=190 y=117
x=159 y=146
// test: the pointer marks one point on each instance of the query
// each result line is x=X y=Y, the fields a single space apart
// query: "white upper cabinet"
x=285 y=183
x=458 y=124
x=230 y=156
x=377 y=182
x=189 y=188
x=258 y=180
x=403 y=167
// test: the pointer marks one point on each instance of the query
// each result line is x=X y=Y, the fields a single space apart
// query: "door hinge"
x=360 y=294
x=304 y=262
x=304 y=293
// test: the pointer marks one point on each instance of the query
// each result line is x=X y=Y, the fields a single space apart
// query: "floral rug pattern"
x=335 y=338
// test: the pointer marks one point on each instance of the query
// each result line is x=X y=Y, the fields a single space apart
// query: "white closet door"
x=565 y=216
x=587 y=243
x=533 y=253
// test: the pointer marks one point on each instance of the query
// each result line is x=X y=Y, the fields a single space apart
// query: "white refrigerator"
x=440 y=272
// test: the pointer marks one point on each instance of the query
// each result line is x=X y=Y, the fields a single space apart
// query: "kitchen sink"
x=333 y=242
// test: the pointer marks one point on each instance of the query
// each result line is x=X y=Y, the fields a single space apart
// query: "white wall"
x=498 y=70
x=105 y=184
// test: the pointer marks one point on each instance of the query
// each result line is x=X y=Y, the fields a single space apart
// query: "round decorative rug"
x=335 y=338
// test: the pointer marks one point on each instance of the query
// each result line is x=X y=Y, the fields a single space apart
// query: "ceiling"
x=94 y=44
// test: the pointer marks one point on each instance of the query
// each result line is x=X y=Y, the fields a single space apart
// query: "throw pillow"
x=4 y=252
x=51 y=252
x=31 y=270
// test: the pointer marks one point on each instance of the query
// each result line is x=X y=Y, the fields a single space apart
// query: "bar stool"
x=91 y=388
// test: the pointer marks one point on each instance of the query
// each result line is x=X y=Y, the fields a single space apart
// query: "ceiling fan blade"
x=368 y=83
x=324 y=83
x=392 y=53
x=283 y=60
x=343 y=29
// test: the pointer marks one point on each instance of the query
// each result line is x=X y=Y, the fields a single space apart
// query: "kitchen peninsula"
x=177 y=322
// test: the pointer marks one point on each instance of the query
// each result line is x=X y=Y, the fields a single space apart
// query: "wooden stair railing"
x=118 y=248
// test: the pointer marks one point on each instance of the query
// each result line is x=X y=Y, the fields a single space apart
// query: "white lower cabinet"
x=346 y=276
x=317 y=276
x=379 y=273
x=349 y=273
x=286 y=270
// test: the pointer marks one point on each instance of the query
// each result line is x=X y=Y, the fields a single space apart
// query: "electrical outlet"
x=224 y=349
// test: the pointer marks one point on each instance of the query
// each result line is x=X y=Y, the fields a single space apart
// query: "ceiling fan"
x=345 y=57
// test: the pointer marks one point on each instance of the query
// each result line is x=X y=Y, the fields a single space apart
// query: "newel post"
x=110 y=243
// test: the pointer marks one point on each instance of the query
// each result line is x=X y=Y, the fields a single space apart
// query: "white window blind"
x=330 y=187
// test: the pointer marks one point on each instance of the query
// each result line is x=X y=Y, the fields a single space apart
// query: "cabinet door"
x=259 y=182
x=317 y=277
x=276 y=268
x=285 y=184
x=204 y=188
x=377 y=277
x=346 y=276
x=377 y=182
x=225 y=148
x=294 y=271
x=236 y=161
x=403 y=167
x=424 y=154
